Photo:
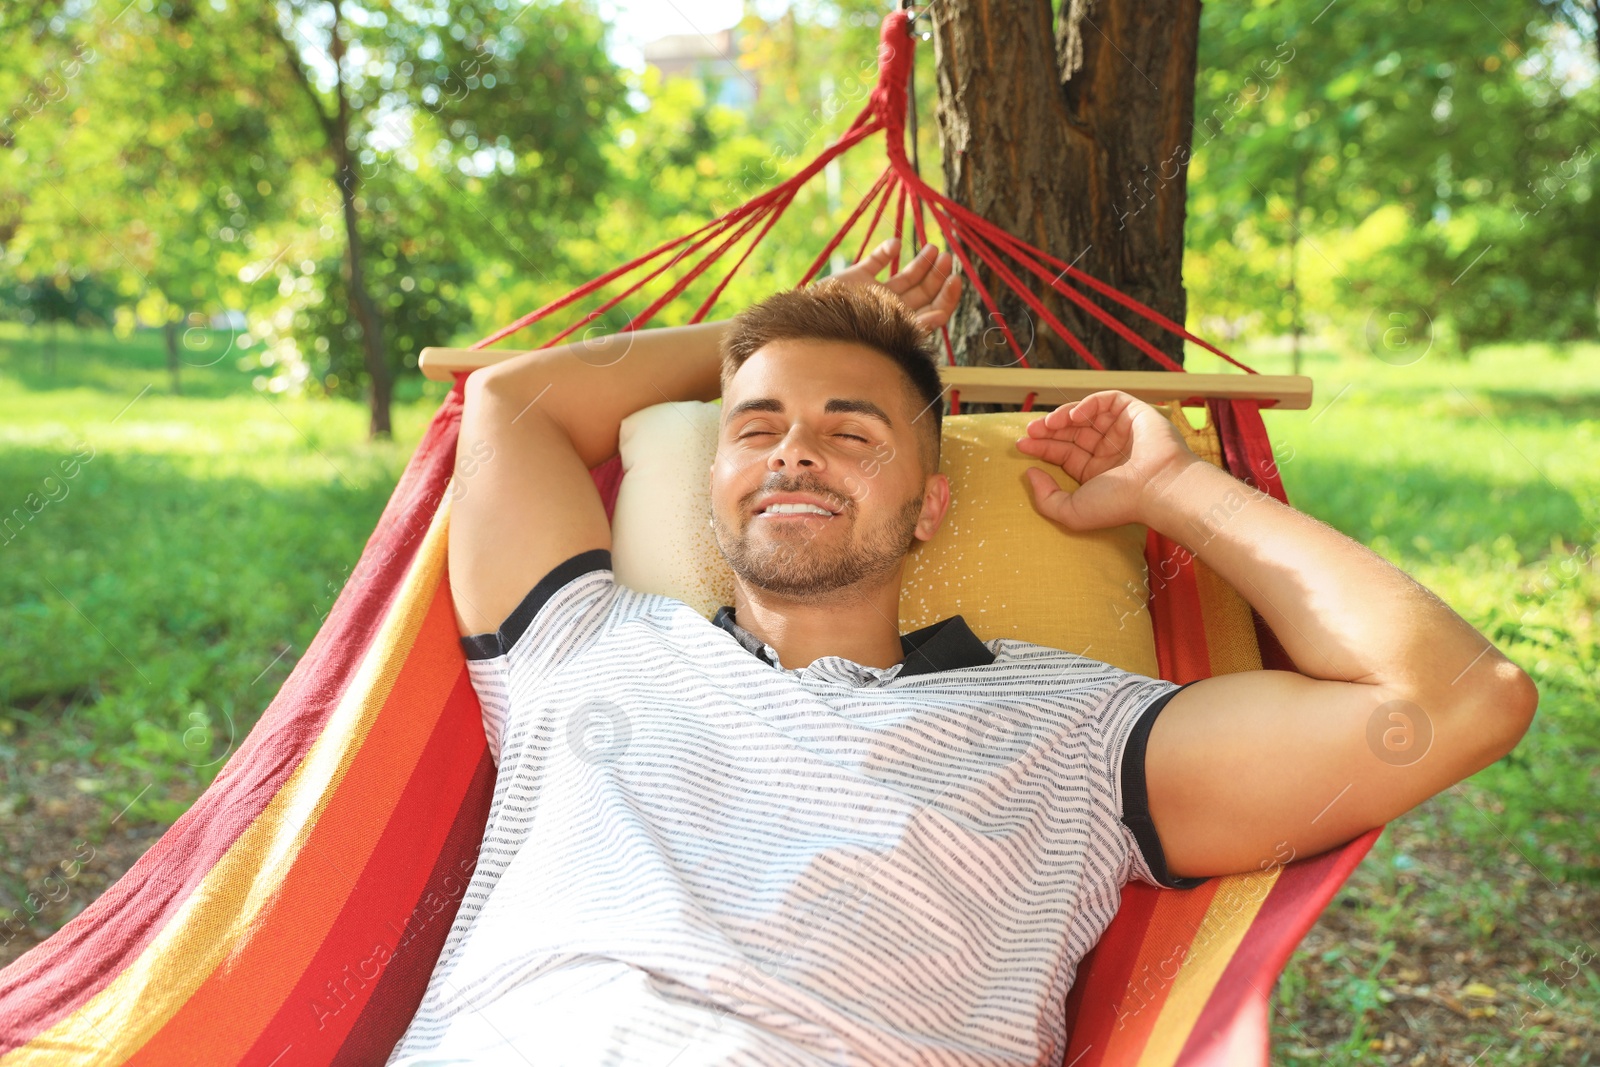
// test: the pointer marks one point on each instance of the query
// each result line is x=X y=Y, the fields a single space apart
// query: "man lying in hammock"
x=800 y=854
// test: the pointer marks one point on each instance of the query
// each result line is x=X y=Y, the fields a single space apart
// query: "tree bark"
x=361 y=302
x=1075 y=138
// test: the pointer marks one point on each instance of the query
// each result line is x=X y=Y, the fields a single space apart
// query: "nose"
x=796 y=451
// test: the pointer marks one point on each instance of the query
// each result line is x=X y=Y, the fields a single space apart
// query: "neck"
x=859 y=624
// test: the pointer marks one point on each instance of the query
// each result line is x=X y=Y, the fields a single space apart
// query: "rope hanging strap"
x=972 y=239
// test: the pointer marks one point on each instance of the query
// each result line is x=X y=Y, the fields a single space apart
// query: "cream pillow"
x=995 y=561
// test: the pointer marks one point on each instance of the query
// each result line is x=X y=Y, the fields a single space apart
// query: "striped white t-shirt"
x=694 y=856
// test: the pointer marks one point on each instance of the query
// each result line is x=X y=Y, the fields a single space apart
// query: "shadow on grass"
x=1528 y=406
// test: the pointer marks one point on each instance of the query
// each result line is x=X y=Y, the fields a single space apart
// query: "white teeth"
x=795 y=509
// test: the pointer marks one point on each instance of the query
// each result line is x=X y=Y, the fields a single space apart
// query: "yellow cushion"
x=995 y=561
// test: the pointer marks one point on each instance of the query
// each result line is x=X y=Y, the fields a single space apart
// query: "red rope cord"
x=1122 y=330
x=595 y=283
x=822 y=257
x=899 y=224
x=684 y=282
x=1099 y=313
x=963 y=230
x=710 y=301
x=1082 y=301
x=988 y=255
x=888 y=190
x=642 y=282
x=977 y=222
x=956 y=246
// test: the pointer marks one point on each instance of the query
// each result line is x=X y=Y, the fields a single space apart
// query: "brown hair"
x=832 y=310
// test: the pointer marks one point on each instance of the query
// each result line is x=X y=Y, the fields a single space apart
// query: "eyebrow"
x=835 y=405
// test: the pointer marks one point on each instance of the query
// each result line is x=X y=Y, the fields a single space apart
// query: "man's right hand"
x=928 y=284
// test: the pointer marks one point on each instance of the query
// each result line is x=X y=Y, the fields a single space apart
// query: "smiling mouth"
x=790 y=511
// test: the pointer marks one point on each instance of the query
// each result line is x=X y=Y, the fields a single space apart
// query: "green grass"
x=154 y=608
x=1482 y=480
x=162 y=592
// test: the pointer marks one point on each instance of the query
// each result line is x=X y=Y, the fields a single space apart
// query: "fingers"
x=937 y=313
x=911 y=282
x=868 y=267
x=879 y=257
x=1073 y=457
x=1049 y=499
x=1099 y=409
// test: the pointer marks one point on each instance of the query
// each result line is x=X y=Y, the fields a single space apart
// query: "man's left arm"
x=1395 y=697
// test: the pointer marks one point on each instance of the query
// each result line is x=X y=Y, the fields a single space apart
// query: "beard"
x=797 y=564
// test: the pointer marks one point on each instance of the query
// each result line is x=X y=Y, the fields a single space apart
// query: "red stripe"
x=1182 y=652
x=387 y=1014
x=608 y=479
x=81 y=959
x=1247 y=454
x=1168 y=940
x=1103 y=975
x=392 y=888
x=1230 y=1021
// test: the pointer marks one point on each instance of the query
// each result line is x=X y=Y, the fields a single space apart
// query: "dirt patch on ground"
x=1404 y=969
x=60 y=847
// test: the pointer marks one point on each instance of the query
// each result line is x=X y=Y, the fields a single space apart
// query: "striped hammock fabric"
x=294 y=914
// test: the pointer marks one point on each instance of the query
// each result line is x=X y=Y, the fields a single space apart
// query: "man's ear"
x=935 y=502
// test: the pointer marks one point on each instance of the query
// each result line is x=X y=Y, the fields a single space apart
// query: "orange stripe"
x=1177 y=917
x=228 y=1011
x=1233 y=909
x=225 y=907
x=1103 y=975
x=400 y=904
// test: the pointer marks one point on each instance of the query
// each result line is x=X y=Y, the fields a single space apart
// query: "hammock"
x=294 y=914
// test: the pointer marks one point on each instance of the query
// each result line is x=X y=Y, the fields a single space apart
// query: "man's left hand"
x=1122 y=452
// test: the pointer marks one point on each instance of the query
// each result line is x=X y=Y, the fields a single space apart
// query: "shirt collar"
x=947 y=645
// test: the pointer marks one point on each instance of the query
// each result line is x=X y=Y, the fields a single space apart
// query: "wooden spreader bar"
x=1011 y=385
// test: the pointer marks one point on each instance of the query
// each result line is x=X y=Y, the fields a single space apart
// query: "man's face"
x=819 y=483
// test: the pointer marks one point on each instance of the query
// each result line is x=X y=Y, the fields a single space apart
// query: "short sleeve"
x=1125 y=752
x=561 y=615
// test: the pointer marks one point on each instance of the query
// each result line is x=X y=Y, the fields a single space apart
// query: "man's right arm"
x=531 y=429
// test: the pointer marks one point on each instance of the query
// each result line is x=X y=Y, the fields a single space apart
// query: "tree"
x=1073 y=132
x=1431 y=164
x=411 y=145
x=395 y=70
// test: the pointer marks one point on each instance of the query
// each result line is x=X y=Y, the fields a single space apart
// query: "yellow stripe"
x=1232 y=911
x=220 y=914
x=1230 y=630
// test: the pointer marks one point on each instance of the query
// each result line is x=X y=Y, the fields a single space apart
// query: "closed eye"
x=852 y=437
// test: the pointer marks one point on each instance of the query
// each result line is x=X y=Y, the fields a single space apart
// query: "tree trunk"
x=1076 y=139
x=1295 y=326
x=361 y=302
x=170 y=328
x=365 y=311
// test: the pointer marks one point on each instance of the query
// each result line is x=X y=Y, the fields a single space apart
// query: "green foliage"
x=1464 y=132
x=166 y=586
x=192 y=155
x=1479 y=479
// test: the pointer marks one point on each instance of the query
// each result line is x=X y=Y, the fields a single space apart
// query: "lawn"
x=170 y=581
